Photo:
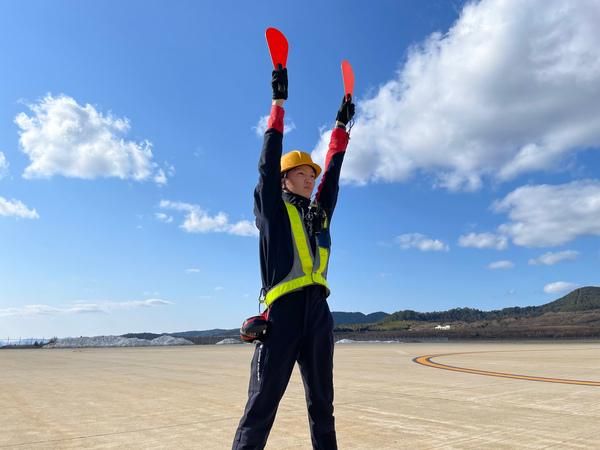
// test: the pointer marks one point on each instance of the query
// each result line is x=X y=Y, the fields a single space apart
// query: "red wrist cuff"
x=337 y=144
x=276 y=118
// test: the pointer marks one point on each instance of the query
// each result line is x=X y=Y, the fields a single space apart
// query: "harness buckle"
x=261 y=297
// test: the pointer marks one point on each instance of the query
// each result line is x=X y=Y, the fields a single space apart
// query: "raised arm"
x=267 y=194
x=329 y=186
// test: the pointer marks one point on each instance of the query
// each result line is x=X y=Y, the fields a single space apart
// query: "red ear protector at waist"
x=254 y=328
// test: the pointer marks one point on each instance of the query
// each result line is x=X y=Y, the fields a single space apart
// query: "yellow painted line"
x=426 y=360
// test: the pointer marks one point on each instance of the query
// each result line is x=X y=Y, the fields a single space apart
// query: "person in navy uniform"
x=294 y=253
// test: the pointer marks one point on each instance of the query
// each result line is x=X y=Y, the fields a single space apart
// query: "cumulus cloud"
x=511 y=88
x=16 y=208
x=62 y=137
x=162 y=217
x=3 y=165
x=196 y=220
x=161 y=176
x=483 y=240
x=551 y=258
x=261 y=126
x=420 y=242
x=243 y=228
x=81 y=308
x=504 y=264
x=559 y=287
x=551 y=215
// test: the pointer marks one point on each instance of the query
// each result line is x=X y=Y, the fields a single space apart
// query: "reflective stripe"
x=323 y=257
x=300 y=238
x=305 y=271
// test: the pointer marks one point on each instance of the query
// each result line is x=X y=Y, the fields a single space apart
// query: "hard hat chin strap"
x=283 y=178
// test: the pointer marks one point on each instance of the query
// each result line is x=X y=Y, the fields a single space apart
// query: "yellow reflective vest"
x=307 y=269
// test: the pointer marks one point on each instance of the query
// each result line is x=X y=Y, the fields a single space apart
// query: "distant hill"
x=216 y=332
x=340 y=318
x=582 y=299
x=208 y=333
x=575 y=314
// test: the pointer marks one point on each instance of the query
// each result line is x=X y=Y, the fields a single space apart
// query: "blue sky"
x=130 y=134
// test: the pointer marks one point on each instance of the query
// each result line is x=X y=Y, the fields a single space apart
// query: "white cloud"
x=162 y=175
x=244 y=228
x=3 y=165
x=551 y=215
x=197 y=220
x=29 y=310
x=64 y=138
x=501 y=265
x=192 y=270
x=81 y=308
x=219 y=288
x=160 y=178
x=145 y=303
x=261 y=126
x=201 y=222
x=511 y=88
x=84 y=308
x=483 y=240
x=559 y=287
x=551 y=258
x=16 y=208
x=162 y=217
x=177 y=206
x=421 y=242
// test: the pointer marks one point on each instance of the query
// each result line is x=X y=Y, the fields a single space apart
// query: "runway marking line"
x=426 y=360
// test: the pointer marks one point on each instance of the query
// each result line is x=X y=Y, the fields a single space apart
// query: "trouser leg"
x=316 y=366
x=271 y=369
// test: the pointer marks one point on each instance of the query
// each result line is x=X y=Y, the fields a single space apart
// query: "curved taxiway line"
x=426 y=360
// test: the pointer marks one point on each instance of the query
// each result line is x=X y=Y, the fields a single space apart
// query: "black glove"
x=346 y=111
x=279 y=83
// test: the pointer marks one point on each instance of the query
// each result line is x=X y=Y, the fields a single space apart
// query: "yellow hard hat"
x=297 y=158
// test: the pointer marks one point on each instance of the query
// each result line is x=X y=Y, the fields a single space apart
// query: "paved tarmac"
x=192 y=397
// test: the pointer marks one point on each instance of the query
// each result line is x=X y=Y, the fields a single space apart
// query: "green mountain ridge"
x=563 y=312
x=575 y=315
x=582 y=299
x=357 y=317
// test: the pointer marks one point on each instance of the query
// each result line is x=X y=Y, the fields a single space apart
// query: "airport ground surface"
x=192 y=397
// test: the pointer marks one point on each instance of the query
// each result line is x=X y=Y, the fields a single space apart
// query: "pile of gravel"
x=229 y=341
x=116 y=341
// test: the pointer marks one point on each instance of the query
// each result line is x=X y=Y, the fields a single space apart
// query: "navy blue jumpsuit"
x=301 y=325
